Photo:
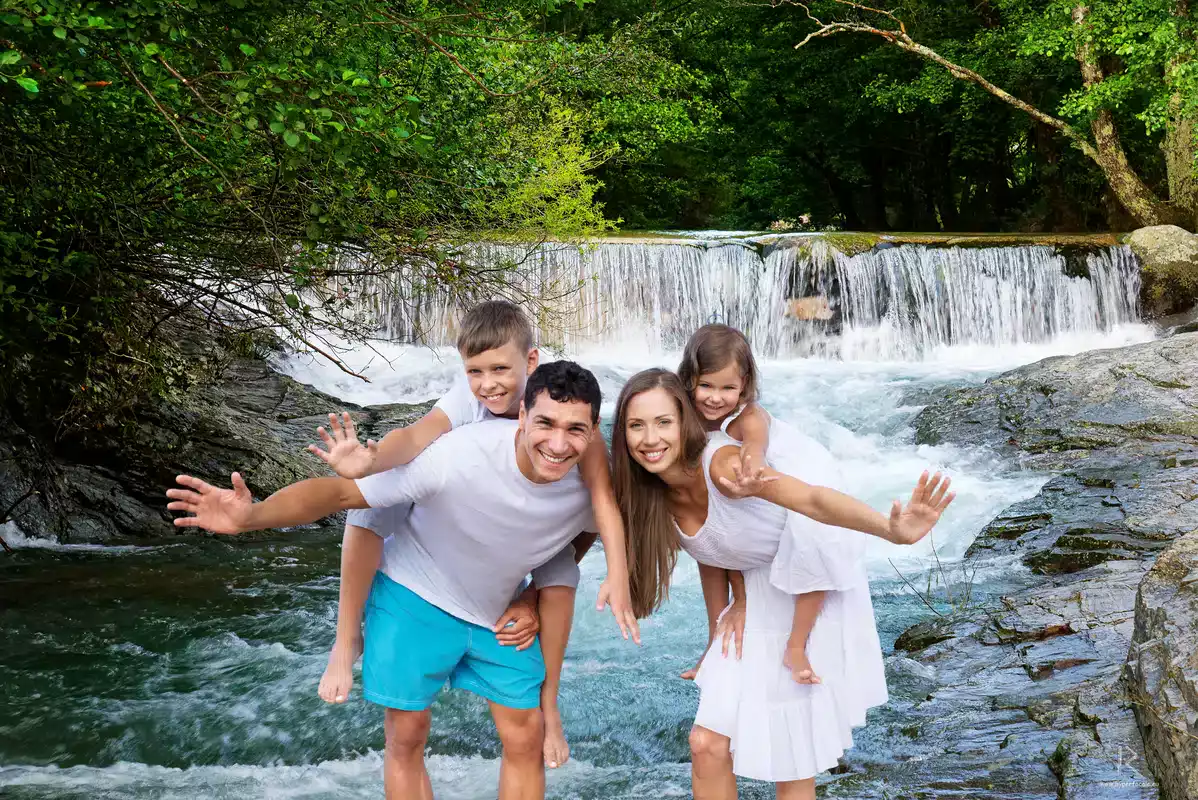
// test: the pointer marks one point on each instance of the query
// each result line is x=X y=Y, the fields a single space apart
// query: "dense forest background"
x=248 y=162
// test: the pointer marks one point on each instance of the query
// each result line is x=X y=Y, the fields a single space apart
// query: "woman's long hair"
x=652 y=541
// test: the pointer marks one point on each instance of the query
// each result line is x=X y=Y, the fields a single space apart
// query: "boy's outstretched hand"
x=213 y=509
x=931 y=496
x=616 y=595
x=347 y=457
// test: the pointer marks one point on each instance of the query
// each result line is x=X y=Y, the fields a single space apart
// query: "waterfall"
x=794 y=296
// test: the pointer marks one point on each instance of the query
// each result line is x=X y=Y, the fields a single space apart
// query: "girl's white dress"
x=781 y=730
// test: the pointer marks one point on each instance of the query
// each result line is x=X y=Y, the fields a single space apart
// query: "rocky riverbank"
x=245 y=417
x=1036 y=687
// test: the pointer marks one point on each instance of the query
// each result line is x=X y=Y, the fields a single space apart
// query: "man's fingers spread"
x=324 y=436
x=183 y=494
x=193 y=483
x=179 y=505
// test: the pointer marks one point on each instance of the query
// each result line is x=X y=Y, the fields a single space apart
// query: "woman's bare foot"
x=800 y=668
x=338 y=676
x=557 y=750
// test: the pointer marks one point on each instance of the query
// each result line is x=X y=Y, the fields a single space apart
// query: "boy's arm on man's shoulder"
x=425 y=476
x=402 y=445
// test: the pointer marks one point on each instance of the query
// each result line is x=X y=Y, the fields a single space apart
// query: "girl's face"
x=718 y=393
x=653 y=430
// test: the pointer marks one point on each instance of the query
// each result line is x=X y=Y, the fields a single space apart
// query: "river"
x=189 y=668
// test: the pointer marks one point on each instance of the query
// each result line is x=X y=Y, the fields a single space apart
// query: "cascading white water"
x=901 y=303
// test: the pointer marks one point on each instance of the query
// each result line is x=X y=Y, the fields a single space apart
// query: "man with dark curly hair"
x=491 y=502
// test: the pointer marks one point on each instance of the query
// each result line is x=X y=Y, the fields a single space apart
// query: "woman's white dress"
x=781 y=730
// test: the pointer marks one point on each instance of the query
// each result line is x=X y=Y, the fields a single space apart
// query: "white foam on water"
x=453 y=778
x=18 y=540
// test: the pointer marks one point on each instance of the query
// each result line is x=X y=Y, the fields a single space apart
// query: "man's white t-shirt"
x=478 y=526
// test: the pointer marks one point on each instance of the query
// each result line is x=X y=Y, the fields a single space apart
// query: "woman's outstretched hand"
x=911 y=523
x=213 y=509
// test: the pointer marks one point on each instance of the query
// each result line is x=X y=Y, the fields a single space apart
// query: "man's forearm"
x=305 y=502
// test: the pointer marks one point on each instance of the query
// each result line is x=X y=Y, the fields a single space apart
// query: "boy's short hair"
x=566 y=382
x=493 y=324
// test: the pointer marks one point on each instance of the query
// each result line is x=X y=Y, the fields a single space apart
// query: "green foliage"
x=858 y=134
x=167 y=158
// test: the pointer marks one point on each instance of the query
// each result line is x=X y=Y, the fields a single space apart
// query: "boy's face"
x=497 y=377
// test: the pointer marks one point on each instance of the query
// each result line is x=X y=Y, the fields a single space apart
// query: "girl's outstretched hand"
x=911 y=523
x=748 y=477
x=348 y=458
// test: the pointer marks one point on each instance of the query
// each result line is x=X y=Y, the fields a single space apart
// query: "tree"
x=1149 y=45
x=259 y=162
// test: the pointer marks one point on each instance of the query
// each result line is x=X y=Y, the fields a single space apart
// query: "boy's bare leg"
x=522 y=771
x=404 y=774
x=555 y=605
x=361 y=551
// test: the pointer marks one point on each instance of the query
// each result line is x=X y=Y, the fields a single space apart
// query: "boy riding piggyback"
x=495 y=342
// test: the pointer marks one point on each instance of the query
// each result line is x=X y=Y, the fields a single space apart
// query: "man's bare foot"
x=800 y=668
x=557 y=750
x=338 y=676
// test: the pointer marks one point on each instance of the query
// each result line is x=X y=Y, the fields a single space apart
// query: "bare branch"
x=903 y=41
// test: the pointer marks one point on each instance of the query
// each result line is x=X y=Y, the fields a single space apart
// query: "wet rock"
x=1057 y=412
x=1022 y=696
x=1035 y=681
x=1162 y=667
x=248 y=418
x=1169 y=255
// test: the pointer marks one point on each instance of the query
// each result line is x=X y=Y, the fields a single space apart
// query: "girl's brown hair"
x=713 y=347
x=652 y=541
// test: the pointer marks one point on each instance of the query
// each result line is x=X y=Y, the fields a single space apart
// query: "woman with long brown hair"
x=678 y=489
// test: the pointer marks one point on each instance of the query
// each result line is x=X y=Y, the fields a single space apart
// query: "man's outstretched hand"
x=911 y=523
x=213 y=509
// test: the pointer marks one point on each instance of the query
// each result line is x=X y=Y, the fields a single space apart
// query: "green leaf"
x=252 y=123
x=243 y=97
x=9 y=57
x=61 y=33
x=28 y=84
x=151 y=49
x=291 y=138
x=277 y=127
x=347 y=74
x=292 y=302
x=392 y=194
x=249 y=50
x=95 y=22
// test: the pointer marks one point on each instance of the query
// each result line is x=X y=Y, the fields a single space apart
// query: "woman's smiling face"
x=652 y=429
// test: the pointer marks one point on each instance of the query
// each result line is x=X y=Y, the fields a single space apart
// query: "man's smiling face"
x=555 y=435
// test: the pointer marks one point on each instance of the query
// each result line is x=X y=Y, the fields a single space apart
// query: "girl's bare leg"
x=361 y=551
x=807 y=608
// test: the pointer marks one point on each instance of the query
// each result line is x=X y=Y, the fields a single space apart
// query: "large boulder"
x=1169 y=255
x=246 y=417
x=1162 y=669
